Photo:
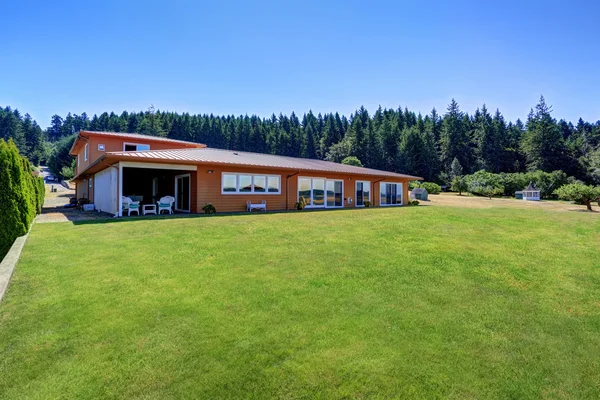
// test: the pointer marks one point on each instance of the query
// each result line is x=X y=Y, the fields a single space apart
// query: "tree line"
x=390 y=139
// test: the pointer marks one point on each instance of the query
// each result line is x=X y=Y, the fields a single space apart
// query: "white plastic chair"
x=166 y=204
x=130 y=206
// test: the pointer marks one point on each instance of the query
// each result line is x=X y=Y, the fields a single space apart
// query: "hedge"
x=21 y=195
x=546 y=182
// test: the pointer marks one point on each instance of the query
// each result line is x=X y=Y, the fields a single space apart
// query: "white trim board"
x=181 y=167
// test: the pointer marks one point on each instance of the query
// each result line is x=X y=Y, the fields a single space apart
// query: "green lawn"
x=417 y=302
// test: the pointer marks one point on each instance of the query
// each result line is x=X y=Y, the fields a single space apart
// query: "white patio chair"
x=130 y=206
x=134 y=206
x=166 y=204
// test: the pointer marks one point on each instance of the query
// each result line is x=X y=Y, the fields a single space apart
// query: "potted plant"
x=301 y=203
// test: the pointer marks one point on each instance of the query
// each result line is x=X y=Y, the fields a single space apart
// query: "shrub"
x=580 y=193
x=209 y=208
x=432 y=188
x=367 y=203
x=413 y=185
x=351 y=160
x=21 y=195
x=414 y=202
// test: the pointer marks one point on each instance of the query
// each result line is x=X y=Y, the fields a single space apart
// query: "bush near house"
x=432 y=188
x=21 y=195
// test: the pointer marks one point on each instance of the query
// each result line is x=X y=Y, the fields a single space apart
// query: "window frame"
x=125 y=144
x=86 y=151
x=251 y=192
x=324 y=190
x=401 y=194
x=356 y=193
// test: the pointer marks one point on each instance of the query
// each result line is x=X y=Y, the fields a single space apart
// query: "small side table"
x=149 y=209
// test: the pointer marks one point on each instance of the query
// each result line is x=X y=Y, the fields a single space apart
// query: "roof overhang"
x=109 y=160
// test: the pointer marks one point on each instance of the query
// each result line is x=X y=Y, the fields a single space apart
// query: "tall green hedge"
x=21 y=195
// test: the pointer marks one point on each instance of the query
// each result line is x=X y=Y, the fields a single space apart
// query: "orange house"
x=111 y=165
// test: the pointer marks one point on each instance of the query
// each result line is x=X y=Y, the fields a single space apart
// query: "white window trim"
x=356 y=193
x=136 y=144
x=325 y=189
x=252 y=174
x=401 y=196
x=86 y=150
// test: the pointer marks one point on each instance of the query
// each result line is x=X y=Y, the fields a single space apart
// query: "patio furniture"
x=149 y=209
x=260 y=206
x=166 y=204
x=130 y=206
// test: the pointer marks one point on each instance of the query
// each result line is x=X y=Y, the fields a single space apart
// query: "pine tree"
x=454 y=142
x=543 y=143
x=489 y=147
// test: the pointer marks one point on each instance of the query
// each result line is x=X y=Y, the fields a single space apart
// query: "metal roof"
x=217 y=156
x=133 y=136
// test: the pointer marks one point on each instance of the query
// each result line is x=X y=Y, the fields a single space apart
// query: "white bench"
x=260 y=206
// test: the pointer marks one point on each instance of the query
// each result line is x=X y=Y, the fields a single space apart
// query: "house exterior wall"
x=83 y=189
x=209 y=188
x=112 y=144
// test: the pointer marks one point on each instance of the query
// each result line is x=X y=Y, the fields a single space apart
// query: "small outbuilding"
x=419 y=194
x=530 y=193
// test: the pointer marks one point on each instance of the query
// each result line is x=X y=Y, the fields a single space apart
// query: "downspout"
x=287 y=188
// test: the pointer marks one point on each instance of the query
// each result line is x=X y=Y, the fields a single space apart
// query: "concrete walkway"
x=8 y=263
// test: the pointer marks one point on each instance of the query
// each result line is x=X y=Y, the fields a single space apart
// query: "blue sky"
x=269 y=57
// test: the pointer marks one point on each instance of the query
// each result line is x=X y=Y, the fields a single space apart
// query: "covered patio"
x=145 y=183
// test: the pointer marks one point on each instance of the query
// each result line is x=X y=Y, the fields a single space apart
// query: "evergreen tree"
x=454 y=142
x=543 y=143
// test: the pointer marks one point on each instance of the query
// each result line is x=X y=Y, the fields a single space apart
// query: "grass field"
x=417 y=302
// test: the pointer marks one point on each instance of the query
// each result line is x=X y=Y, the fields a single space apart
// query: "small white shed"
x=530 y=193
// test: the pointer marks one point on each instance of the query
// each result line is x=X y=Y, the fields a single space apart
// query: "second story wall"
x=98 y=145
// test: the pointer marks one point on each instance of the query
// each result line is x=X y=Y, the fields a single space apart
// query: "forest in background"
x=397 y=140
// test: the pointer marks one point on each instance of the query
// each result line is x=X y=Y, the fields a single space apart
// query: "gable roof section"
x=240 y=158
x=132 y=136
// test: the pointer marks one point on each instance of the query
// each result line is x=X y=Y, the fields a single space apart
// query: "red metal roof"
x=217 y=156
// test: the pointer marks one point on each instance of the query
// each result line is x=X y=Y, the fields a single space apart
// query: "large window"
x=390 y=194
x=135 y=147
x=363 y=193
x=252 y=184
x=320 y=192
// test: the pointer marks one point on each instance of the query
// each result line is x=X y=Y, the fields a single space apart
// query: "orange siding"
x=209 y=188
x=115 y=144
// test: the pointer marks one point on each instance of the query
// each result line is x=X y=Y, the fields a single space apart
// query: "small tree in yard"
x=459 y=184
x=490 y=191
x=579 y=192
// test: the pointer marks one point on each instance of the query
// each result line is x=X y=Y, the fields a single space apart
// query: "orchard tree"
x=579 y=192
x=459 y=184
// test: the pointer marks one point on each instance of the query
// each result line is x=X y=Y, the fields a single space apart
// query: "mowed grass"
x=417 y=302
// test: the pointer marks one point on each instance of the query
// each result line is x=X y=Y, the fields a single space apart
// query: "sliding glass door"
x=363 y=193
x=390 y=194
x=320 y=192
